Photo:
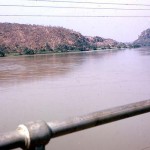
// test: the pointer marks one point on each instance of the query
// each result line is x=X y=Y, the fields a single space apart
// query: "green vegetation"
x=136 y=45
x=2 y=51
x=2 y=54
x=28 y=51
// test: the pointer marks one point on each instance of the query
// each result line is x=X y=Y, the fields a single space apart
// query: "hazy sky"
x=120 y=29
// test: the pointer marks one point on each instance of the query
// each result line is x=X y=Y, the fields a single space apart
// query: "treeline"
x=28 y=51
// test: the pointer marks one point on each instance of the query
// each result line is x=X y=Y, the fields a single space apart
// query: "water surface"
x=60 y=86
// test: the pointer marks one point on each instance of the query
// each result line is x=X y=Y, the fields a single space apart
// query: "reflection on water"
x=144 y=52
x=59 y=86
x=27 y=68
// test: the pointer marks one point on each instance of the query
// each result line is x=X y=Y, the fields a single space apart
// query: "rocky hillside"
x=143 y=39
x=30 y=39
x=99 y=42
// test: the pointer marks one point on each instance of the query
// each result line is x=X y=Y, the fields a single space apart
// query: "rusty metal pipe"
x=99 y=118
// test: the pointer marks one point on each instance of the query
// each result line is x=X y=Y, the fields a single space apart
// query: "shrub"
x=136 y=46
x=2 y=50
x=64 y=48
x=2 y=53
x=28 y=51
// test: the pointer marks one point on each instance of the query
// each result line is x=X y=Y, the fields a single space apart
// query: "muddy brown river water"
x=61 y=86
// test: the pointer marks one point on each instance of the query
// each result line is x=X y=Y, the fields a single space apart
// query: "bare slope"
x=31 y=39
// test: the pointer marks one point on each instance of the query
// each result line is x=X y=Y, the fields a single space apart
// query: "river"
x=61 y=86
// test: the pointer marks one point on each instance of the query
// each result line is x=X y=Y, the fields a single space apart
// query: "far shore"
x=65 y=52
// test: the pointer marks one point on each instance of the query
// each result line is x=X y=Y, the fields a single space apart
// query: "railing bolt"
x=37 y=134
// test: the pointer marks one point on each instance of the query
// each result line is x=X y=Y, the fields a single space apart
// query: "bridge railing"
x=35 y=135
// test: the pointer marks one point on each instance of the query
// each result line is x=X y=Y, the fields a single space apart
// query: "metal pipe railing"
x=11 y=140
x=35 y=135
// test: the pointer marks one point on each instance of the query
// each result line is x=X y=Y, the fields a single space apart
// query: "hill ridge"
x=30 y=39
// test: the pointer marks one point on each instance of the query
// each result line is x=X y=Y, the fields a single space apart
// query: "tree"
x=28 y=51
x=136 y=45
x=2 y=50
x=2 y=54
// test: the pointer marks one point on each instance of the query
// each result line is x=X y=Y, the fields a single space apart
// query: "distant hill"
x=143 y=39
x=30 y=39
